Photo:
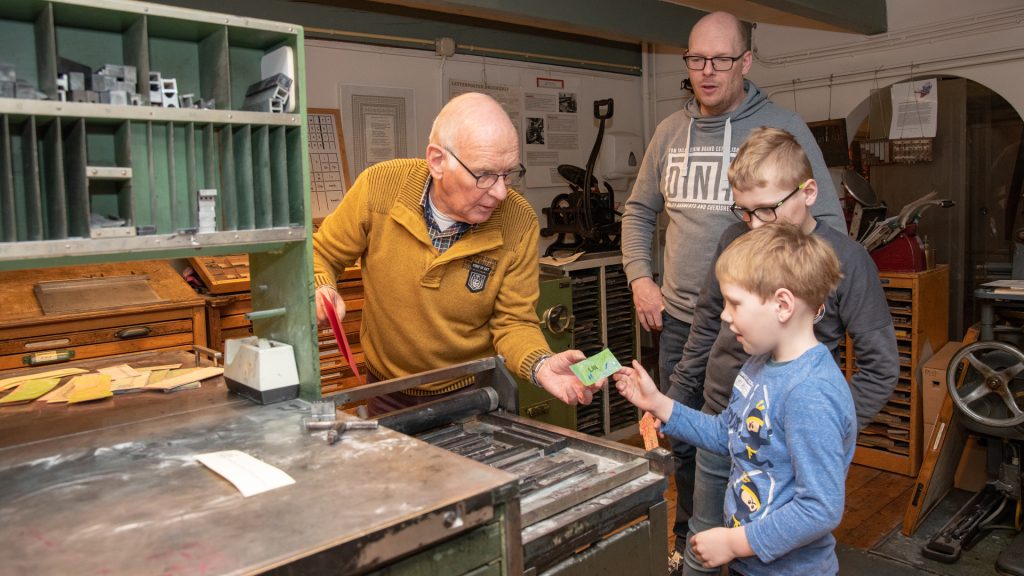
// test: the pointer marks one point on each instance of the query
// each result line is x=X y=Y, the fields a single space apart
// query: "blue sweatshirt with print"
x=790 y=430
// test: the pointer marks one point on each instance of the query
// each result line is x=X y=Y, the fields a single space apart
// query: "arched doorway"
x=977 y=161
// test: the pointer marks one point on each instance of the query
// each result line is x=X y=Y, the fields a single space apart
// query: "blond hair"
x=780 y=255
x=769 y=156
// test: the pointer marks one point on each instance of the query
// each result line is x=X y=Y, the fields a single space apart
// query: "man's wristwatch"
x=536 y=368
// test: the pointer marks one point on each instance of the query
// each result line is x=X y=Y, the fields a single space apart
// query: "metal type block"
x=156 y=97
x=76 y=81
x=169 y=93
x=102 y=83
x=116 y=97
x=268 y=83
x=207 y=202
x=25 y=90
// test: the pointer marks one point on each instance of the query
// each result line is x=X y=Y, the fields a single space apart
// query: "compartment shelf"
x=918 y=303
x=86 y=182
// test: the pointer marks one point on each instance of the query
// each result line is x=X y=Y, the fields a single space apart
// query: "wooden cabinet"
x=86 y=318
x=919 y=303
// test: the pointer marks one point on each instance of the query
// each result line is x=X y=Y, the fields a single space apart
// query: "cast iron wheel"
x=989 y=386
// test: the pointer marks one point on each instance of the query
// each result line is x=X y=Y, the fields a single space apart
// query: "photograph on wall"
x=552 y=134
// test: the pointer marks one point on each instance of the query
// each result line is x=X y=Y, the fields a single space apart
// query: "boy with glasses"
x=684 y=174
x=772 y=182
x=789 y=429
x=449 y=261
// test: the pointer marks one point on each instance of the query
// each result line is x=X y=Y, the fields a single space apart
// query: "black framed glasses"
x=765 y=214
x=719 y=63
x=485 y=181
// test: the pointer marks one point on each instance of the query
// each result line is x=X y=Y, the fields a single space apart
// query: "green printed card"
x=600 y=365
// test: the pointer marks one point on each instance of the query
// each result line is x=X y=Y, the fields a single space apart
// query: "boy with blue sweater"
x=789 y=427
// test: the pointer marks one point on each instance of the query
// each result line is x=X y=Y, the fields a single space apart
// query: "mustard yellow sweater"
x=424 y=310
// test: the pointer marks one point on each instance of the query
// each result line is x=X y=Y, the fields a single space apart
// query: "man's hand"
x=648 y=301
x=719 y=546
x=556 y=376
x=331 y=295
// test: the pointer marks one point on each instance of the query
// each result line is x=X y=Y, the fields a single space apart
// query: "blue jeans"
x=712 y=479
x=674 y=333
x=670 y=347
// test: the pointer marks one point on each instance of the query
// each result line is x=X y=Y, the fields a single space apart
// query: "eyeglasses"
x=764 y=213
x=719 y=63
x=485 y=181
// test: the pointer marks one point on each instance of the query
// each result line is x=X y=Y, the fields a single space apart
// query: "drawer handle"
x=48 y=344
x=133 y=332
x=48 y=357
x=538 y=410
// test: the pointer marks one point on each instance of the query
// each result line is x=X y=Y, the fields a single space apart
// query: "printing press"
x=461 y=487
x=586 y=505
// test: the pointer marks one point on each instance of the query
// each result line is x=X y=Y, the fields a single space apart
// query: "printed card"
x=593 y=369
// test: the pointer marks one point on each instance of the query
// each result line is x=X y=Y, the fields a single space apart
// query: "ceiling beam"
x=621 y=20
x=861 y=17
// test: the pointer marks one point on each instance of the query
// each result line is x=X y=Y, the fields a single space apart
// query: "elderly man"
x=449 y=258
x=685 y=173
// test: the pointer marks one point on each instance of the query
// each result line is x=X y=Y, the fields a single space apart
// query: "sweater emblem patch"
x=479 y=271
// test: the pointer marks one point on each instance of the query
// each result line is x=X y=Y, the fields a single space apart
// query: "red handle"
x=340 y=338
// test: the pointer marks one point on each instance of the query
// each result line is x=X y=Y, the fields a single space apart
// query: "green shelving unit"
x=62 y=161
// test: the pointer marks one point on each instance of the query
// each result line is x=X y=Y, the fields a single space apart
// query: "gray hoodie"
x=685 y=173
x=713 y=357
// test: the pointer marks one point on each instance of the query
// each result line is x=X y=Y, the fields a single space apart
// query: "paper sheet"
x=14 y=381
x=29 y=390
x=119 y=371
x=600 y=365
x=88 y=387
x=250 y=475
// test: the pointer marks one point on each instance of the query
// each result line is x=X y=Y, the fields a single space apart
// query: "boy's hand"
x=636 y=386
x=719 y=546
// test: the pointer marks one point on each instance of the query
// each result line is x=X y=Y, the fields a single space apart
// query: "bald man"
x=449 y=260
x=685 y=174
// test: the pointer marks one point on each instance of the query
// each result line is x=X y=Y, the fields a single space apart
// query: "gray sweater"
x=712 y=357
x=685 y=173
x=790 y=433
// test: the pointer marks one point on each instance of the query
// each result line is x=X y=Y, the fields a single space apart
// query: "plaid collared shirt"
x=441 y=239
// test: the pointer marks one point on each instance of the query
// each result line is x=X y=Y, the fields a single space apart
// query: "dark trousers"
x=673 y=337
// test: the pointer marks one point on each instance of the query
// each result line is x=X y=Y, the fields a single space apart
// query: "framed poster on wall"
x=381 y=124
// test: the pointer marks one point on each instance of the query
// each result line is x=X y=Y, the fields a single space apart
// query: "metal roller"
x=460 y=405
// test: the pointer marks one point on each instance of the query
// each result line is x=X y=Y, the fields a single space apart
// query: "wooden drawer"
x=31 y=337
